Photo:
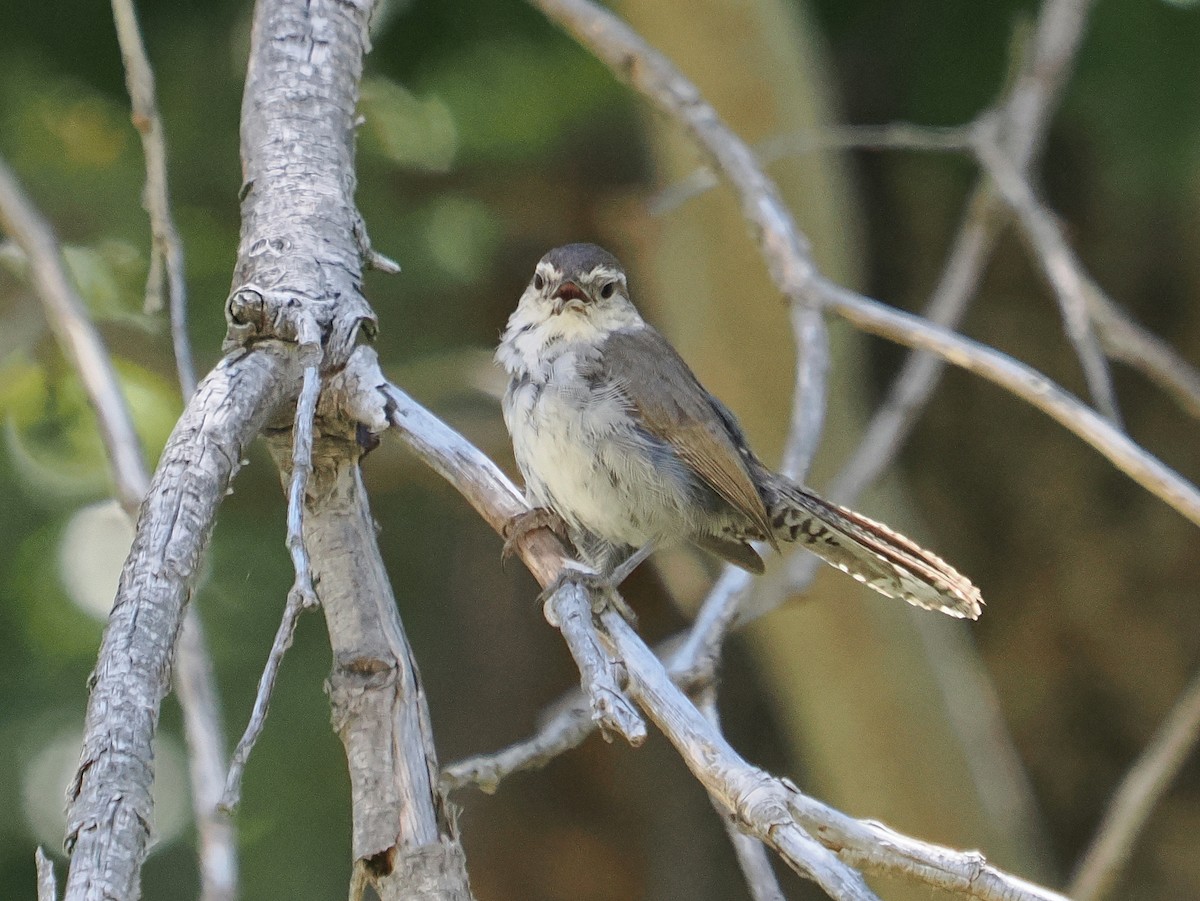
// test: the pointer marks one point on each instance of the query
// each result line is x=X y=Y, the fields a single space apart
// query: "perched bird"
x=624 y=451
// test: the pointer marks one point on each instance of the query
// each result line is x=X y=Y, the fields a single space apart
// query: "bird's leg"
x=625 y=568
x=529 y=521
x=602 y=588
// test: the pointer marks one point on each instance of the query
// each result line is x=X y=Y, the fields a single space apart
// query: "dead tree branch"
x=1175 y=740
x=166 y=250
x=193 y=678
x=47 y=885
x=194 y=682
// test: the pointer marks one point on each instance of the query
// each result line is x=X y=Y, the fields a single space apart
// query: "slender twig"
x=1172 y=744
x=752 y=857
x=262 y=699
x=1024 y=382
x=196 y=687
x=302 y=595
x=77 y=337
x=1132 y=344
x=302 y=466
x=166 y=246
x=47 y=884
x=887 y=136
x=1060 y=268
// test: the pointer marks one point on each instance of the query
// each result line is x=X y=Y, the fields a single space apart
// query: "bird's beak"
x=567 y=292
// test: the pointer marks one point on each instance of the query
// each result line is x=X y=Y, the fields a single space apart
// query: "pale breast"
x=581 y=454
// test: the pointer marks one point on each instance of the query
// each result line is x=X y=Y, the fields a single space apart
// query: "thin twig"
x=751 y=855
x=196 y=687
x=1061 y=269
x=47 y=884
x=1024 y=382
x=887 y=136
x=302 y=466
x=77 y=337
x=166 y=246
x=1172 y=744
x=262 y=699
x=302 y=595
x=1132 y=344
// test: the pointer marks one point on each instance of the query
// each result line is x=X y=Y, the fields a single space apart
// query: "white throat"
x=535 y=335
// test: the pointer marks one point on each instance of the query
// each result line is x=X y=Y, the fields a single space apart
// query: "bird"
x=623 y=451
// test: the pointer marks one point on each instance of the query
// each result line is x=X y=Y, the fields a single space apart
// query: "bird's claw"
x=600 y=588
x=522 y=524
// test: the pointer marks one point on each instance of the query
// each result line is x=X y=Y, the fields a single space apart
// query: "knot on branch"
x=762 y=801
x=332 y=323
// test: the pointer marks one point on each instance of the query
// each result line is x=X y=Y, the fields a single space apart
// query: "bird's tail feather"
x=869 y=551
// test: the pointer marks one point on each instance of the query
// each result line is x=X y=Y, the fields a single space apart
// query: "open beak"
x=566 y=293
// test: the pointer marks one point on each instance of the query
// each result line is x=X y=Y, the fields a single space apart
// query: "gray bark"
x=109 y=805
x=298 y=274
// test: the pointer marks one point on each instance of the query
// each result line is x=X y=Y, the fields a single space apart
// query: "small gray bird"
x=624 y=451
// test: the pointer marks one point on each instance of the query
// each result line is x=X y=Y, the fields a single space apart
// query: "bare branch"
x=194 y=681
x=888 y=136
x=166 y=246
x=1060 y=267
x=791 y=266
x=47 y=885
x=602 y=678
x=1026 y=383
x=232 y=795
x=300 y=262
x=751 y=855
x=1129 y=342
x=109 y=805
x=77 y=337
x=766 y=806
x=1175 y=740
x=196 y=687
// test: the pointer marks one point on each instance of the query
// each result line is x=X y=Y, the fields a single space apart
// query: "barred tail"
x=869 y=551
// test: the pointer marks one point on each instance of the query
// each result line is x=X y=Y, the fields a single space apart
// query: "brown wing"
x=676 y=408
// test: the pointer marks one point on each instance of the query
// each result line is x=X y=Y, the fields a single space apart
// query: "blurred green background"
x=488 y=138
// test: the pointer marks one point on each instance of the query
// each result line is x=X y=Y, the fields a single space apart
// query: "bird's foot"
x=522 y=524
x=600 y=588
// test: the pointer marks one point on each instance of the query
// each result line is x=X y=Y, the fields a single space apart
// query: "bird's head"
x=578 y=289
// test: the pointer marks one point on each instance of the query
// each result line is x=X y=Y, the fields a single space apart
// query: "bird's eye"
x=538 y=281
x=607 y=291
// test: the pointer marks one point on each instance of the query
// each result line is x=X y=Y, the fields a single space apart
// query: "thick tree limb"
x=298 y=278
x=194 y=680
x=109 y=809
